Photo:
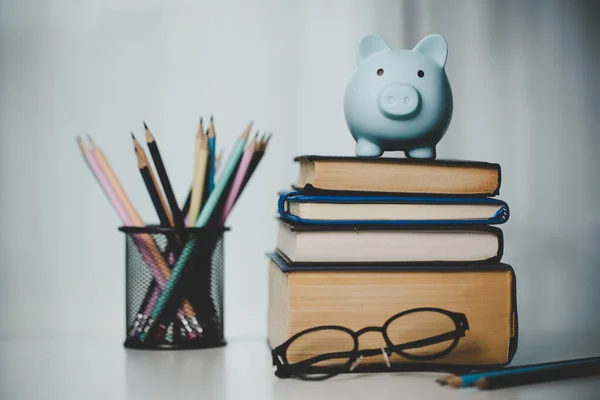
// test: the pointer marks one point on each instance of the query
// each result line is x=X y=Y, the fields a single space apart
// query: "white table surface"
x=242 y=370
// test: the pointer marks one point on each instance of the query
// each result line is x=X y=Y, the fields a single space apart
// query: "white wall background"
x=524 y=76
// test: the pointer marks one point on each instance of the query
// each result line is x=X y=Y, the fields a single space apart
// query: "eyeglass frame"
x=286 y=370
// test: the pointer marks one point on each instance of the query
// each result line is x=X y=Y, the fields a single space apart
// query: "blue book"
x=347 y=209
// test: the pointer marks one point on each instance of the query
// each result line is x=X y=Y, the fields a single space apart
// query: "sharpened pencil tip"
x=89 y=137
x=81 y=144
x=455 y=382
x=145 y=126
x=444 y=379
x=246 y=132
x=211 y=128
x=482 y=384
x=132 y=136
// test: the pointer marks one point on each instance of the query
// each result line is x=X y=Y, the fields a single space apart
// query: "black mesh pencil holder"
x=174 y=287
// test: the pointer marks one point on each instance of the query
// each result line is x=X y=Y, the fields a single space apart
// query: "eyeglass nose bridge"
x=369 y=329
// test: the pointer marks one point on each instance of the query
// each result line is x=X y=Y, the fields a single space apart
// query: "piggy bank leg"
x=421 y=152
x=364 y=148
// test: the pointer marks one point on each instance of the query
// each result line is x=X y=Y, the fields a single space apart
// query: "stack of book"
x=361 y=240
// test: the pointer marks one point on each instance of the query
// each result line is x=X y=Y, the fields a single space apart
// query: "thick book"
x=298 y=207
x=367 y=296
x=398 y=175
x=303 y=244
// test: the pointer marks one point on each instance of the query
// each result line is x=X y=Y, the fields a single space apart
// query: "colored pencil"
x=213 y=200
x=162 y=209
x=199 y=179
x=134 y=219
x=212 y=142
x=467 y=380
x=152 y=191
x=555 y=373
x=164 y=177
x=114 y=182
x=131 y=216
x=104 y=183
x=227 y=174
x=240 y=175
x=186 y=206
x=120 y=201
x=260 y=152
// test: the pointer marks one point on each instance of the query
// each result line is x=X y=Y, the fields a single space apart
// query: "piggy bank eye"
x=421 y=73
x=379 y=72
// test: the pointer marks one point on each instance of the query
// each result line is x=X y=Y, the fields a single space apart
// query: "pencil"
x=152 y=191
x=186 y=206
x=114 y=182
x=558 y=372
x=258 y=155
x=239 y=178
x=466 y=380
x=212 y=142
x=213 y=200
x=162 y=209
x=132 y=216
x=260 y=152
x=104 y=183
x=199 y=179
x=227 y=174
x=129 y=216
x=164 y=177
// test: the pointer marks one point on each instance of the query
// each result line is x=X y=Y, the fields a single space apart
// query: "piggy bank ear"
x=369 y=45
x=434 y=46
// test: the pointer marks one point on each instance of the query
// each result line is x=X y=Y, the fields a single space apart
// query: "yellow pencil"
x=199 y=179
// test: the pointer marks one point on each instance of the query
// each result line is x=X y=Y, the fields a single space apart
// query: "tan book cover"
x=398 y=175
x=355 y=299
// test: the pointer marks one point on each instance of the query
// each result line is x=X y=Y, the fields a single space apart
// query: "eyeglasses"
x=419 y=334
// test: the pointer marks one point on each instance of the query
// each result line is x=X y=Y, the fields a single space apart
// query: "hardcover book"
x=398 y=175
x=389 y=244
x=360 y=209
x=360 y=296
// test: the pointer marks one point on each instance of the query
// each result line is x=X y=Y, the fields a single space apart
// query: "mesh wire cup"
x=193 y=316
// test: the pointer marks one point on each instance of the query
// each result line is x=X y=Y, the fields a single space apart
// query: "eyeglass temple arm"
x=322 y=357
x=429 y=341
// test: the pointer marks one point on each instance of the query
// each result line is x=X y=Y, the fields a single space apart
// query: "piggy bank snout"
x=399 y=101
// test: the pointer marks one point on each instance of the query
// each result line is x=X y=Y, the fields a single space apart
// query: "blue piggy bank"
x=399 y=99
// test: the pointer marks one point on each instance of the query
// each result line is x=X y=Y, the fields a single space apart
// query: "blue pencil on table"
x=467 y=380
x=555 y=373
